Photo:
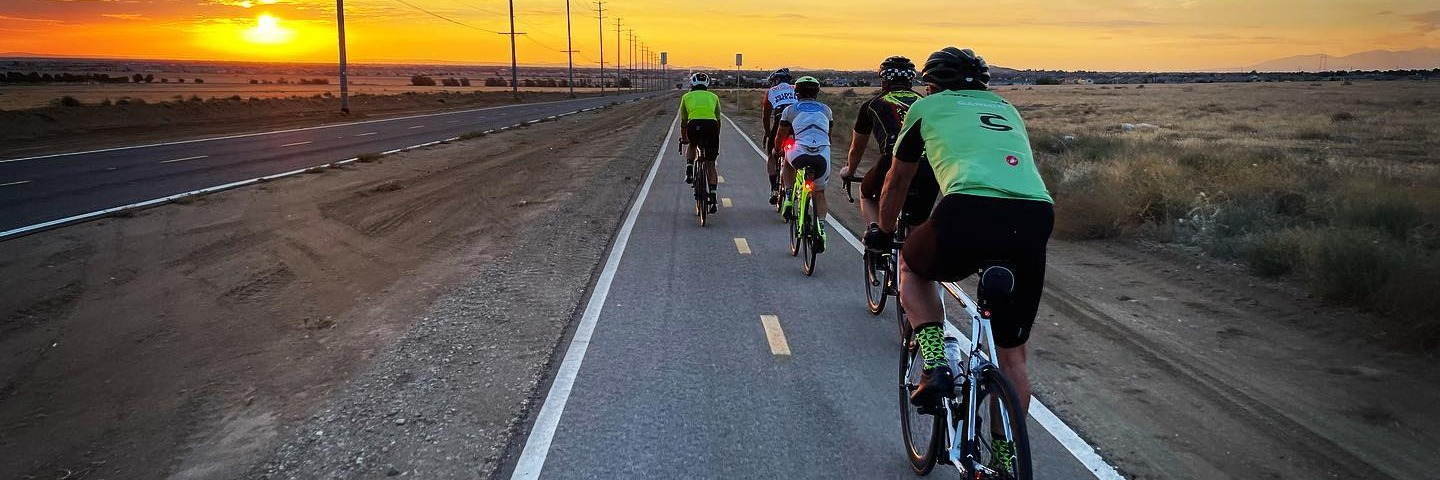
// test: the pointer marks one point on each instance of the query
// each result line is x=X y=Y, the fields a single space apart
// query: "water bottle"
x=952 y=354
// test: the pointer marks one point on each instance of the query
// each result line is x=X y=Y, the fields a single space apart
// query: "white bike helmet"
x=700 y=79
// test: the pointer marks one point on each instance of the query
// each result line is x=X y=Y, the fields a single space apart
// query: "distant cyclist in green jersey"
x=700 y=127
x=881 y=117
x=804 y=140
x=996 y=214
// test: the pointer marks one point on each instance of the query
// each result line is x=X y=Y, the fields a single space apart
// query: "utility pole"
x=630 y=73
x=600 y=14
x=344 y=77
x=618 y=62
x=569 y=50
x=514 y=66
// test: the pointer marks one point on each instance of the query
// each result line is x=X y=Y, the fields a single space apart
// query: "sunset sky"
x=1057 y=34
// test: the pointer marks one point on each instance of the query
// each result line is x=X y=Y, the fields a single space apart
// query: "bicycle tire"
x=875 y=294
x=993 y=385
x=920 y=448
x=794 y=227
x=812 y=235
x=702 y=189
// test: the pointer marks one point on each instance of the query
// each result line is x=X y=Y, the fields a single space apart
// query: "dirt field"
x=1177 y=365
x=20 y=97
x=193 y=341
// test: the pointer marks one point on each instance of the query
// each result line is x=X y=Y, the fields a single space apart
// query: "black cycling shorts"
x=705 y=135
x=968 y=232
x=923 y=189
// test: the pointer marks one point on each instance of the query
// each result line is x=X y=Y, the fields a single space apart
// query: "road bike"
x=802 y=221
x=882 y=270
x=701 y=174
x=961 y=429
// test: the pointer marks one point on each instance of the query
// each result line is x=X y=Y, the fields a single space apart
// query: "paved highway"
x=45 y=188
x=672 y=372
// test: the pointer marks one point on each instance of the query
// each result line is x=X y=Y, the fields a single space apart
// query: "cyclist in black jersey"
x=881 y=117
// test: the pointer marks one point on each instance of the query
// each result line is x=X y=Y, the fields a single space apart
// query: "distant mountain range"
x=1418 y=59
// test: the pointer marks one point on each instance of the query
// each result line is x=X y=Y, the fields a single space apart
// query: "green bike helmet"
x=807 y=87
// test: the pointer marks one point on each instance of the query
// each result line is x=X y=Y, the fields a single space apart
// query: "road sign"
x=739 y=59
x=664 y=58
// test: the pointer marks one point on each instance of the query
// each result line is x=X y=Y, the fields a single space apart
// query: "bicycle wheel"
x=795 y=230
x=807 y=243
x=924 y=434
x=998 y=405
x=874 y=282
x=702 y=189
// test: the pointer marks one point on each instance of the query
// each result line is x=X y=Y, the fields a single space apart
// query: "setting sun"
x=267 y=31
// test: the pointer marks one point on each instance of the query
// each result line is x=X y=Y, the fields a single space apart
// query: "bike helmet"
x=955 y=69
x=780 y=76
x=807 y=87
x=897 y=69
x=699 y=79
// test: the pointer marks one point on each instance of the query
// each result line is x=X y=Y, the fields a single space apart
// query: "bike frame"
x=801 y=201
x=978 y=360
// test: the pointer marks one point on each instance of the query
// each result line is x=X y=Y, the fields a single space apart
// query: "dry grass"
x=1335 y=186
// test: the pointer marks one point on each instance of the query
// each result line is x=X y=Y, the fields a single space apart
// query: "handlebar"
x=849 y=195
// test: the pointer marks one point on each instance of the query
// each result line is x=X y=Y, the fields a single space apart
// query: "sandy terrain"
x=1175 y=365
x=24 y=96
x=191 y=340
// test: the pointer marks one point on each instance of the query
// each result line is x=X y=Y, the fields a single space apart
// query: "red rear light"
x=809 y=186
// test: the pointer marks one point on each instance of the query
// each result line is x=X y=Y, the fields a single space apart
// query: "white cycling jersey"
x=781 y=95
x=810 y=121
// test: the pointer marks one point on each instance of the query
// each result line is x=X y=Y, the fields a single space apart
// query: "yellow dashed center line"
x=719 y=179
x=726 y=202
x=775 y=335
x=742 y=246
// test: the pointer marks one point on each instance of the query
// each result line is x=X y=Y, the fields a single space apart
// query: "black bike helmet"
x=807 y=87
x=780 y=76
x=955 y=69
x=897 y=69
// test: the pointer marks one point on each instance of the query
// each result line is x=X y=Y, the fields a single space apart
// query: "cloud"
x=1426 y=22
x=31 y=20
x=1114 y=24
x=125 y=16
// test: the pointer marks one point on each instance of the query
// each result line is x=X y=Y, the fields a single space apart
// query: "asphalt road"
x=679 y=379
x=40 y=189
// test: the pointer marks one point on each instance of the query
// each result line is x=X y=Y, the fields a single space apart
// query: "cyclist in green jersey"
x=996 y=215
x=700 y=127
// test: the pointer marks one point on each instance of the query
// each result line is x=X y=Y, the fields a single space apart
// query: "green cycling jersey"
x=977 y=144
x=700 y=105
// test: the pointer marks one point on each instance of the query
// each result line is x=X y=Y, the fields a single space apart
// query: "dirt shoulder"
x=67 y=129
x=281 y=327
x=1174 y=365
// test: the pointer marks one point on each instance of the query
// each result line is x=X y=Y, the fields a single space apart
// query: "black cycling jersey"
x=882 y=116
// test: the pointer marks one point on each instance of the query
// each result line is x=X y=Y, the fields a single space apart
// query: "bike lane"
x=684 y=375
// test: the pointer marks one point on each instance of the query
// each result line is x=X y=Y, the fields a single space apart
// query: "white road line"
x=366 y=134
x=1078 y=447
x=415 y=127
x=775 y=335
x=537 y=445
x=197 y=157
x=453 y=121
x=22 y=182
x=296 y=144
x=256 y=134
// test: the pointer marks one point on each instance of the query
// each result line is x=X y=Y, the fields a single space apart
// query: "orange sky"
x=852 y=34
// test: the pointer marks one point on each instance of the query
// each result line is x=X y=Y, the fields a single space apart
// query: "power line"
x=448 y=19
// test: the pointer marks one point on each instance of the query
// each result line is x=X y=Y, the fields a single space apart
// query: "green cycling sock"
x=931 y=338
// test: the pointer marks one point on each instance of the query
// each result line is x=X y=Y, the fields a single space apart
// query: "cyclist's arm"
x=908 y=151
x=860 y=138
x=765 y=111
x=684 y=120
x=717 y=110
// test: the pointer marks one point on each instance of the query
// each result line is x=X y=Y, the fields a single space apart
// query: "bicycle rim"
x=923 y=434
x=998 y=405
x=874 y=284
x=795 y=236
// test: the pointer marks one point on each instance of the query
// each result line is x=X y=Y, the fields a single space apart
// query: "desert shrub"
x=1275 y=253
x=1087 y=207
x=67 y=101
x=1047 y=81
x=199 y=80
x=1342 y=117
x=1242 y=128
x=1395 y=216
x=1410 y=296
x=422 y=81
x=1314 y=133
x=1351 y=266
x=235 y=98
x=254 y=81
